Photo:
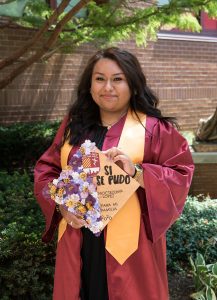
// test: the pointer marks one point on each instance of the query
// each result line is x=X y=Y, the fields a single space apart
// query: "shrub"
x=205 y=279
x=26 y=264
x=194 y=231
x=22 y=144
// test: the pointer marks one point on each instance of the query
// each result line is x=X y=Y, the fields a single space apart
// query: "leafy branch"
x=104 y=23
x=46 y=45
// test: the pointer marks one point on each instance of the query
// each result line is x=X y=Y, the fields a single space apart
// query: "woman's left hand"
x=121 y=159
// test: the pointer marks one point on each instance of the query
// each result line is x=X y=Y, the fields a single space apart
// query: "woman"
x=112 y=91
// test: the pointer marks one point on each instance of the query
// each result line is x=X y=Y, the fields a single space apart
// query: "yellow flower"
x=83 y=176
x=70 y=203
x=66 y=180
x=52 y=197
x=89 y=206
x=82 y=209
x=82 y=149
x=68 y=167
x=60 y=192
x=52 y=189
x=72 y=200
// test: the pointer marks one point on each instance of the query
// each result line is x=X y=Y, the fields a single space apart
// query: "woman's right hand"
x=70 y=218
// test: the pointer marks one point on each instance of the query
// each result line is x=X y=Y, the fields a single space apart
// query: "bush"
x=22 y=144
x=194 y=231
x=26 y=264
x=205 y=279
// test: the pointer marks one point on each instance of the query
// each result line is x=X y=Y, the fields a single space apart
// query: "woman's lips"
x=108 y=96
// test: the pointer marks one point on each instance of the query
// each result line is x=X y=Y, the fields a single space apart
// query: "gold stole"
x=123 y=230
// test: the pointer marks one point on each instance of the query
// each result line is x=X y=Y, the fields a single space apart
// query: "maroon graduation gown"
x=168 y=170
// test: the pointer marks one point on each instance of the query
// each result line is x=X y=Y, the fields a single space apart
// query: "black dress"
x=93 y=273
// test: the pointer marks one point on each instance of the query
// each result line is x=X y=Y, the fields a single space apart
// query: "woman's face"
x=109 y=87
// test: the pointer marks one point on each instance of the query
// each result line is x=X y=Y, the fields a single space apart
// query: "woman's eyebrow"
x=112 y=74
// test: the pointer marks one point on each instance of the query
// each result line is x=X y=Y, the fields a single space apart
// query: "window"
x=209 y=25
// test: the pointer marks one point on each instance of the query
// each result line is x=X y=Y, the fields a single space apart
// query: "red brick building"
x=180 y=67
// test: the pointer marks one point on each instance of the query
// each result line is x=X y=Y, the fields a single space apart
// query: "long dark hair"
x=84 y=113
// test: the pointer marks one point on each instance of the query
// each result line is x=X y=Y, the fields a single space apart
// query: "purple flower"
x=75 y=162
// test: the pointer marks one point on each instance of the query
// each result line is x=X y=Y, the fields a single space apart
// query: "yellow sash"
x=123 y=230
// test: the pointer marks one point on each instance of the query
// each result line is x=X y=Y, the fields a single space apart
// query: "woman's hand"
x=71 y=219
x=121 y=159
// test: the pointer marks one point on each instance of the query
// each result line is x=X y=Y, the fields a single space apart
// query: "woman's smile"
x=106 y=96
x=109 y=87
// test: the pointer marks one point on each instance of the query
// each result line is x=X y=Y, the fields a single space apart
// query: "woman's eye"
x=99 y=78
x=118 y=79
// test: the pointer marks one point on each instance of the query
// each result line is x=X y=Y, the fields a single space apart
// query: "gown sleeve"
x=167 y=176
x=47 y=168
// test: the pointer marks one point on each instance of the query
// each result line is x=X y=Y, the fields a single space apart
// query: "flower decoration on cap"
x=75 y=188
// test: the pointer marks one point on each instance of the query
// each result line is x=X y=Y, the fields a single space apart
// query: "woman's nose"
x=108 y=85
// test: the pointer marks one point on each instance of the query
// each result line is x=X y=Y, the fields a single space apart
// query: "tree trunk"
x=47 y=45
x=11 y=59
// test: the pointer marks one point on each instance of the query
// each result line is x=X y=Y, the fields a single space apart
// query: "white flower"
x=88 y=146
x=100 y=224
x=55 y=181
x=83 y=200
x=75 y=176
x=92 y=189
x=84 y=195
x=94 y=195
x=86 y=184
x=59 y=200
x=71 y=209
x=72 y=197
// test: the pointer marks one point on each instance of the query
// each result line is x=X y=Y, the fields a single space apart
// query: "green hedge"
x=27 y=265
x=22 y=144
x=195 y=231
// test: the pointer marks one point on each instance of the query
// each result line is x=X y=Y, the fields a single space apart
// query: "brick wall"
x=204 y=180
x=183 y=73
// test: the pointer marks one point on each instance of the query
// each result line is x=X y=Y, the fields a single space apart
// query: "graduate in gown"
x=111 y=88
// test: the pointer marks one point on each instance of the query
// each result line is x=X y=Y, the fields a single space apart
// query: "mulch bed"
x=181 y=286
